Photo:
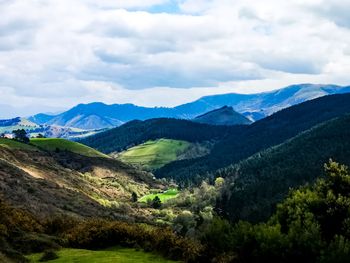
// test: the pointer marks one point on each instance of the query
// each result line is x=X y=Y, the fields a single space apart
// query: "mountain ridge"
x=254 y=106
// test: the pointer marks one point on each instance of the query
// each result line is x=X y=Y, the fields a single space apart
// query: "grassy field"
x=122 y=255
x=169 y=194
x=15 y=145
x=50 y=144
x=154 y=154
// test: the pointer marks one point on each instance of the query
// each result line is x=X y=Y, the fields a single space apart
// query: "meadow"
x=53 y=144
x=169 y=194
x=125 y=255
x=154 y=154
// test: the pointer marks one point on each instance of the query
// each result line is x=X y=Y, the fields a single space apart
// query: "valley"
x=174 y=190
x=174 y=131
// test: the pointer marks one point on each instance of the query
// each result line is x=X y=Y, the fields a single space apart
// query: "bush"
x=48 y=255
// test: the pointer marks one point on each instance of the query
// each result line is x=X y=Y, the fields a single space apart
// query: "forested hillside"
x=255 y=185
x=310 y=225
x=248 y=140
x=137 y=132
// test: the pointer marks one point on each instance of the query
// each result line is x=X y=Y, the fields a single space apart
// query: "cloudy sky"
x=57 y=53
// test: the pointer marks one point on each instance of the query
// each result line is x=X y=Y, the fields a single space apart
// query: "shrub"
x=48 y=255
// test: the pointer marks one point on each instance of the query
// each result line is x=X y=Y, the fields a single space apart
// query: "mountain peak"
x=225 y=115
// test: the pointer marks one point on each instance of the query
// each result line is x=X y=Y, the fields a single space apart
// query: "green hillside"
x=125 y=255
x=51 y=144
x=256 y=184
x=154 y=154
x=15 y=145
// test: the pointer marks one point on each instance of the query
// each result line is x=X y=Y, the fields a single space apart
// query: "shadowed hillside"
x=247 y=140
x=256 y=184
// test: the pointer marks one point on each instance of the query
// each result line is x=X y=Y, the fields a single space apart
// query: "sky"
x=55 y=54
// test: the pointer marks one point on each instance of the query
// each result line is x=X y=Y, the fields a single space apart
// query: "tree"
x=134 y=197
x=156 y=203
x=21 y=135
x=40 y=136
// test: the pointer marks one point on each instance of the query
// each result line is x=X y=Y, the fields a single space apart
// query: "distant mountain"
x=8 y=125
x=33 y=129
x=253 y=106
x=222 y=116
x=41 y=118
x=99 y=115
x=245 y=141
x=255 y=185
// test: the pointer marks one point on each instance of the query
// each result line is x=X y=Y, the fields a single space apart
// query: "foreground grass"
x=154 y=154
x=51 y=144
x=123 y=255
x=169 y=194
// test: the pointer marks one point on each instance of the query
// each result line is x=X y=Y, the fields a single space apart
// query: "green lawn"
x=51 y=144
x=154 y=154
x=16 y=145
x=169 y=194
x=122 y=255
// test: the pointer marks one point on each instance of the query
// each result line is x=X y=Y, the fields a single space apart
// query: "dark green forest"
x=255 y=185
x=310 y=225
x=248 y=140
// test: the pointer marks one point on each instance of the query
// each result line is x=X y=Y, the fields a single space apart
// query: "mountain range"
x=98 y=115
x=33 y=129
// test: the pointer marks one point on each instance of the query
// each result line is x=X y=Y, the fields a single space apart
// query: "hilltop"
x=222 y=116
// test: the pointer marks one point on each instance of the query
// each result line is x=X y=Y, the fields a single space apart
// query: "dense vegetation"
x=255 y=185
x=310 y=225
x=22 y=233
x=245 y=141
x=137 y=132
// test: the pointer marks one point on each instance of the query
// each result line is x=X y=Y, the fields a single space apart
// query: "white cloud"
x=62 y=52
